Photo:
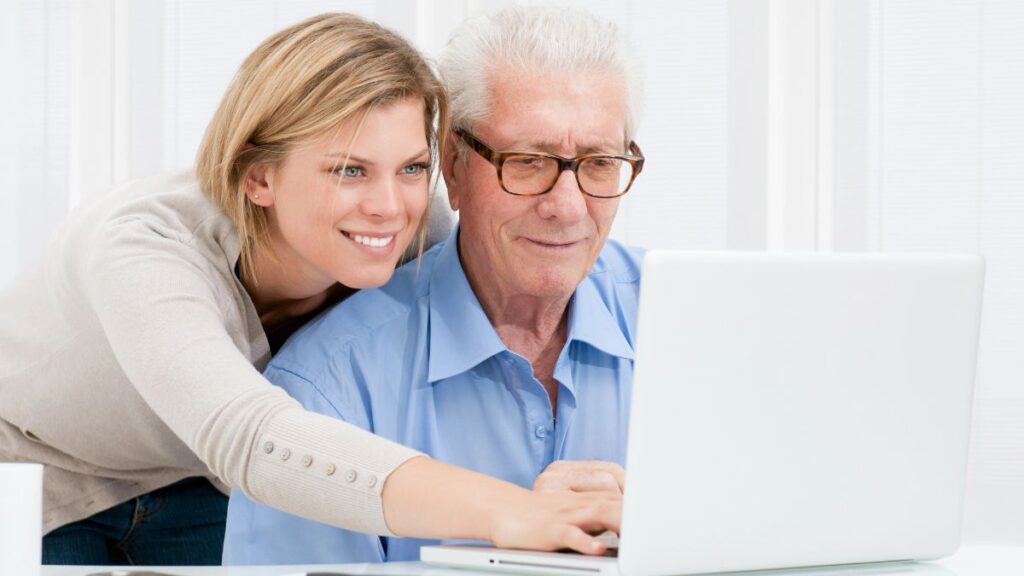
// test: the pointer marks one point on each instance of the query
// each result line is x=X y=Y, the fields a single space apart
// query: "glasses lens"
x=527 y=174
x=603 y=176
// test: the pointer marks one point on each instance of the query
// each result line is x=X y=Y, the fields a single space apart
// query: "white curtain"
x=34 y=106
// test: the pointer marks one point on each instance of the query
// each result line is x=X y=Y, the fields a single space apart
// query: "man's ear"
x=259 y=184
x=448 y=169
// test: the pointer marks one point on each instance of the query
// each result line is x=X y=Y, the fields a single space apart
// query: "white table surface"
x=969 y=561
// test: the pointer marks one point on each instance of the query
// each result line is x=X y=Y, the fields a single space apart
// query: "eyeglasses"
x=534 y=173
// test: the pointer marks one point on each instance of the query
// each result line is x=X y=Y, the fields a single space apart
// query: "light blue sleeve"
x=259 y=534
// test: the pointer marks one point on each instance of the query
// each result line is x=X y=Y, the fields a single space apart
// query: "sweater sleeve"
x=156 y=299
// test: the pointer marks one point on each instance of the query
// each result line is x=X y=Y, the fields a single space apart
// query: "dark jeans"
x=179 y=525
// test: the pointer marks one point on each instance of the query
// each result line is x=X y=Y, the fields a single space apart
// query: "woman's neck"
x=278 y=296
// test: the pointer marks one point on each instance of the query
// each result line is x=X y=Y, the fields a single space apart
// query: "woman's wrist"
x=426 y=498
x=506 y=501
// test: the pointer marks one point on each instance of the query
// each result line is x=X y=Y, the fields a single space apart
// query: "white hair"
x=535 y=39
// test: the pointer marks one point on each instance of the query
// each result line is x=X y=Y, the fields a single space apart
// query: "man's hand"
x=581 y=476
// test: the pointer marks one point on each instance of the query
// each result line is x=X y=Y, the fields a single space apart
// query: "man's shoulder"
x=619 y=263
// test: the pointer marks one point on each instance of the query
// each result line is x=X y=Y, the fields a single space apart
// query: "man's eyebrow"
x=549 y=146
x=608 y=147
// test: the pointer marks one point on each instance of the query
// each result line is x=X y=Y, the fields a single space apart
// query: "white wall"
x=770 y=124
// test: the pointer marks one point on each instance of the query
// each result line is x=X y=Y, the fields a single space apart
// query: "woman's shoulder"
x=172 y=204
x=160 y=227
x=168 y=212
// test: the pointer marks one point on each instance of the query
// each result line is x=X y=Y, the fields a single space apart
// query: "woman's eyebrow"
x=354 y=159
x=351 y=158
x=425 y=151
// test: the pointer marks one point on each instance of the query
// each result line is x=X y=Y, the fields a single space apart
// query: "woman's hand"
x=557 y=520
x=425 y=498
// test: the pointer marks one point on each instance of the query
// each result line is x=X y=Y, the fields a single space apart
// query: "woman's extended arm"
x=431 y=499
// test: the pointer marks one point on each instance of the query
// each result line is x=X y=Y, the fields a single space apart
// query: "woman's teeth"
x=372 y=241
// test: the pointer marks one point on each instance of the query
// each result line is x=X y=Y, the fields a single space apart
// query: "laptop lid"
x=798 y=409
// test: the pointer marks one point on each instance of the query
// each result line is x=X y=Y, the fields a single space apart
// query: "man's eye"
x=525 y=162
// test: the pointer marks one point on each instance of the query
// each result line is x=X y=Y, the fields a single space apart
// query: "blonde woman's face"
x=345 y=206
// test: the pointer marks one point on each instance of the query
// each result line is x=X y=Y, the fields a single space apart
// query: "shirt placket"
x=537 y=415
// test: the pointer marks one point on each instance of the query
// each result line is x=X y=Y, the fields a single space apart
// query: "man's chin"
x=553 y=286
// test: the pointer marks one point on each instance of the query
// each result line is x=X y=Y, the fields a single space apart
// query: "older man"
x=509 y=346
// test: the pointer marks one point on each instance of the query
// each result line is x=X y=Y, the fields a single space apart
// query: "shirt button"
x=307 y=460
x=268 y=447
x=371 y=481
x=351 y=476
x=286 y=454
x=540 y=432
x=331 y=469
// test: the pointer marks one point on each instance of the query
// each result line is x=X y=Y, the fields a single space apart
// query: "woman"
x=130 y=357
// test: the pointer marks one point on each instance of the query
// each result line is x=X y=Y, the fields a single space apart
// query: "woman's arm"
x=431 y=499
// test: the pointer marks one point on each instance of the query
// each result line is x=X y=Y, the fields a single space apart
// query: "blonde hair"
x=300 y=82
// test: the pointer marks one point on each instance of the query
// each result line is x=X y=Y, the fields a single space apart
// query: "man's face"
x=539 y=246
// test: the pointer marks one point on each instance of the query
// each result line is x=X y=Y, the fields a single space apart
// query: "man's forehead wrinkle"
x=524 y=116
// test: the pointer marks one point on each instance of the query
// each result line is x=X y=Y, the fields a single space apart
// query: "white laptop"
x=788 y=410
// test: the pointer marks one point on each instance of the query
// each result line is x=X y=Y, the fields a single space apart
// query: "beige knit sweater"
x=130 y=358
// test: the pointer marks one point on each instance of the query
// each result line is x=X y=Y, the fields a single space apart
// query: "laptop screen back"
x=795 y=410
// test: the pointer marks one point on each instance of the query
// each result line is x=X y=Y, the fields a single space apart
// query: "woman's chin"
x=367 y=279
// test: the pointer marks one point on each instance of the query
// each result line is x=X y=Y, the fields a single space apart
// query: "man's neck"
x=533 y=327
x=529 y=325
x=528 y=328
x=541 y=346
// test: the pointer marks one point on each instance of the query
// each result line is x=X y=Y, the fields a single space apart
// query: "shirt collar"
x=461 y=336
x=592 y=322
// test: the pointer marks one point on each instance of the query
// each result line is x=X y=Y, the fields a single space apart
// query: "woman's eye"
x=351 y=171
x=414 y=169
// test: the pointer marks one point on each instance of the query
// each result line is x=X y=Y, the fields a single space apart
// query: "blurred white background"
x=880 y=125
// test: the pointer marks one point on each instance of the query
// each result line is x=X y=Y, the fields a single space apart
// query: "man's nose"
x=565 y=201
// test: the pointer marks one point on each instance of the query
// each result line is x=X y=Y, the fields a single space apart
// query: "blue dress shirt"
x=418 y=362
